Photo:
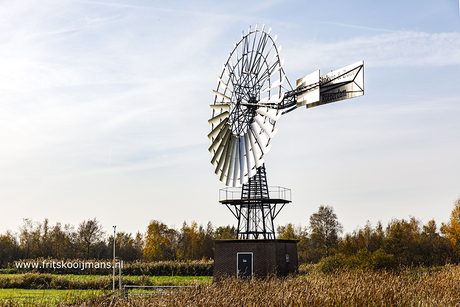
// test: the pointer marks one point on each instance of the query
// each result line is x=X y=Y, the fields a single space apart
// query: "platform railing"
x=275 y=192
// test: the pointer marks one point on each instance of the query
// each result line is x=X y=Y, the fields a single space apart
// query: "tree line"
x=405 y=242
x=89 y=241
x=401 y=242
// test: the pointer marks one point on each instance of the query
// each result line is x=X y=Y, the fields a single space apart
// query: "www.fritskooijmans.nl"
x=80 y=265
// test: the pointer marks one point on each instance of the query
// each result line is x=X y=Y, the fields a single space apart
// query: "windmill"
x=252 y=94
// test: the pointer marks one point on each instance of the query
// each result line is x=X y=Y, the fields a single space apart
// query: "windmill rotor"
x=245 y=108
x=250 y=98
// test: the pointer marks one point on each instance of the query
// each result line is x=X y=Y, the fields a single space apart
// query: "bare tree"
x=89 y=233
x=325 y=229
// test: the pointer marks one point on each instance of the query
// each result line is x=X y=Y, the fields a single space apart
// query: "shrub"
x=382 y=260
x=362 y=260
x=332 y=264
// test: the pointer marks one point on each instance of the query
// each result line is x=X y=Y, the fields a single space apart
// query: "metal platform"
x=255 y=205
x=278 y=195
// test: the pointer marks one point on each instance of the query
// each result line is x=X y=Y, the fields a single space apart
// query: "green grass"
x=49 y=297
x=53 y=297
x=176 y=280
x=37 y=293
x=88 y=282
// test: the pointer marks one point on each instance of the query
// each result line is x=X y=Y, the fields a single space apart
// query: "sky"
x=104 y=108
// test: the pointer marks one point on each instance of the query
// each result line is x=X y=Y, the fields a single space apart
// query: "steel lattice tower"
x=255 y=210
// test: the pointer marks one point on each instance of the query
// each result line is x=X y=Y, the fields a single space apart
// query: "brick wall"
x=269 y=256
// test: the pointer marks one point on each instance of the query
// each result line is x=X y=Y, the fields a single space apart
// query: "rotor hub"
x=244 y=103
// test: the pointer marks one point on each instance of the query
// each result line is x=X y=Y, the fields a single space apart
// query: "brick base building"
x=247 y=258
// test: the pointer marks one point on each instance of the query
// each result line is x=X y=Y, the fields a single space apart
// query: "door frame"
x=252 y=263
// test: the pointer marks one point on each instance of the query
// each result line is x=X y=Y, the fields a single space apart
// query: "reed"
x=407 y=287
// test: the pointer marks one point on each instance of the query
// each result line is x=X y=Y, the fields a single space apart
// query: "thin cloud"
x=395 y=49
x=358 y=27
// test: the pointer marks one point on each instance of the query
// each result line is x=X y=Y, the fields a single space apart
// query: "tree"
x=401 y=240
x=287 y=232
x=9 y=249
x=291 y=232
x=89 y=233
x=160 y=242
x=29 y=236
x=225 y=233
x=452 y=229
x=188 y=248
x=433 y=249
x=126 y=247
x=366 y=238
x=63 y=241
x=206 y=238
x=325 y=230
x=138 y=245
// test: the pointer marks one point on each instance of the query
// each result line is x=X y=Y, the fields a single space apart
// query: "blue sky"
x=104 y=109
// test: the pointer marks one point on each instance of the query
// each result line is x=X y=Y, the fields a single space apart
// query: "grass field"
x=409 y=287
x=150 y=280
x=405 y=287
x=88 y=282
x=49 y=297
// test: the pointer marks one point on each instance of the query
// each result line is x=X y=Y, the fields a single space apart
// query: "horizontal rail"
x=274 y=192
x=157 y=290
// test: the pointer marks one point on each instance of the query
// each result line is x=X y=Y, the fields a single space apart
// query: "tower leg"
x=256 y=220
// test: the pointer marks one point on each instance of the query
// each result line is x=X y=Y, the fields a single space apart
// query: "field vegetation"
x=36 y=297
x=406 y=263
x=405 y=287
x=400 y=242
x=157 y=268
x=92 y=282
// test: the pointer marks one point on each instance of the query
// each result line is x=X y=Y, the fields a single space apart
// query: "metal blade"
x=221 y=96
x=268 y=128
x=243 y=169
x=275 y=99
x=231 y=166
x=236 y=166
x=276 y=68
x=262 y=139
x=249 y=156
x=256 y=150
x=220 y=107
x=218 y=139
x=224 y=85
x=220 y=149
x=225 y=71
x=270 y=113
x=221 y=162
x=216 y=130
x=227 y=158
x=218 y=118
x=278 y=82
x=273 y=68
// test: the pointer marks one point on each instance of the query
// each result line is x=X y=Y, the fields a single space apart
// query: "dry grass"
x=411 y=287
x=352 y=288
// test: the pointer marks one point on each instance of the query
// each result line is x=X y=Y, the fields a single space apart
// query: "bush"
x=382 y=260
x=362 y=260
x=332 y=264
